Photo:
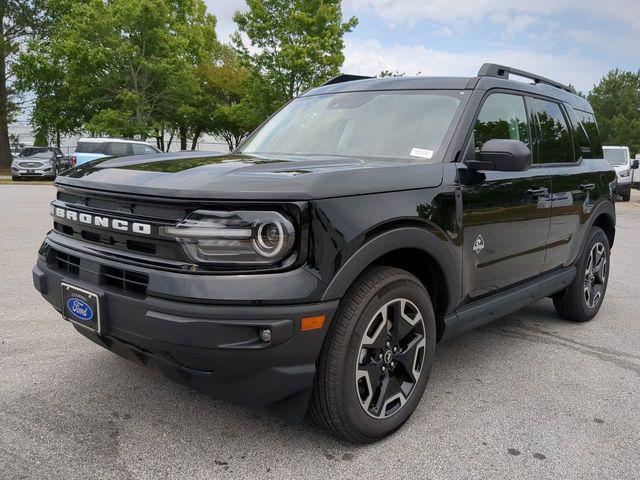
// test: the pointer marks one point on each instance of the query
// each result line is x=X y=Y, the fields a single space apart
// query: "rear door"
x=506 y=215
x=560 y=150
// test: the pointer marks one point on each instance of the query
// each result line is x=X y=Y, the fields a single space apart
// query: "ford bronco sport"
x=317 y=266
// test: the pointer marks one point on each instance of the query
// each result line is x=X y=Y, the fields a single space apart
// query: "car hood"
x=201 y=175
x=621 y=168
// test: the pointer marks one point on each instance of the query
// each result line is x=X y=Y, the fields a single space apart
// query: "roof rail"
x=501 y=71
x=344 y=77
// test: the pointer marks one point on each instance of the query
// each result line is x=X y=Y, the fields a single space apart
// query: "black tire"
x=14 y=178
x=575 y=303
x=337 y=401
x=626 y=197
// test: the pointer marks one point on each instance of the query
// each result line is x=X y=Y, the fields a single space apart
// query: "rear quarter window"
x=89 y=147
x=588 y=121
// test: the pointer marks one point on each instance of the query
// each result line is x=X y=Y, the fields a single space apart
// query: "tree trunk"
x=183 y=138
x=5 y=146
x=194 y=142
x=170 y=140
x=58 y=137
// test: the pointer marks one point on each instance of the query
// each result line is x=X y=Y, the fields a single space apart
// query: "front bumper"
x=212 y=347
x=623 y=188
x=30 y=172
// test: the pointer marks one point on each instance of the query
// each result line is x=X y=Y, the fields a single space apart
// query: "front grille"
x=66 y=263
x=124 y=280
x=31 y=164
x=151 y=248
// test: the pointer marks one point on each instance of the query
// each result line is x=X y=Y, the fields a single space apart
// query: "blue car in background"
x=89 y=149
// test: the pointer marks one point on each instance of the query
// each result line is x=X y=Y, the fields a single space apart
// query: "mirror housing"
x=503 y=155
x=635 y=164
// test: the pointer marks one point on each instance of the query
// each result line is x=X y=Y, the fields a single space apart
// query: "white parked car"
x=89 y=149
x=620 y=160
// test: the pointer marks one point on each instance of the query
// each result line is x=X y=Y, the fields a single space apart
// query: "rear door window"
x=140 y=149
x=554 y=137
x=118 y=149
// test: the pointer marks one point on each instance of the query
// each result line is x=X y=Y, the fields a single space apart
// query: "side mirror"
x=503 y=156
x=635 y=164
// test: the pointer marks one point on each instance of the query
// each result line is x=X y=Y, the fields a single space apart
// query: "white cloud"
x=370 y=57
x=445 y=11
x=513 y=24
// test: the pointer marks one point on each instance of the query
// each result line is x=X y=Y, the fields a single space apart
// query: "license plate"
x=81 y=307
x=31 y=172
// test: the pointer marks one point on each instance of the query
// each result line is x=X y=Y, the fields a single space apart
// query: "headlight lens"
x=624 y=173
x=232 y=238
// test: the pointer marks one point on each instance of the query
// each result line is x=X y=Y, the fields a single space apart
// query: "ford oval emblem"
x=79 y=309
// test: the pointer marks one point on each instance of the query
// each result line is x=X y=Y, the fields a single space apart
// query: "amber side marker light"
x=312 y=323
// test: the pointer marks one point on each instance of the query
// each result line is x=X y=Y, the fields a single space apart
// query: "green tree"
x=18 y=18
x=293 y=45
x=226 y=86
x=616 y=102
x=118 y=67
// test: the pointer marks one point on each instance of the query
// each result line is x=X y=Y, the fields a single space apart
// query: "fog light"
x=265 y=335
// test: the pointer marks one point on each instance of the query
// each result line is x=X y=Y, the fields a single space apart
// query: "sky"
x=571 y=41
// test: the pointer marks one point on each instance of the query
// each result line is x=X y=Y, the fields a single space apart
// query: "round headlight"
x=269 y=239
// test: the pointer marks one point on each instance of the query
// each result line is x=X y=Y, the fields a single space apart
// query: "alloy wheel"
x=390 y=358
x=595 y=275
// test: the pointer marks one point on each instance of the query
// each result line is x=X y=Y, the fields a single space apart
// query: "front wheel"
x=581 y=301
x=626 y=197
x=377 y=358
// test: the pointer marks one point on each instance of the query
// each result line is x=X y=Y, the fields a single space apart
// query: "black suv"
x=319 y=264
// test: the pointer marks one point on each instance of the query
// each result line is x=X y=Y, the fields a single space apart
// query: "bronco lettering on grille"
x=103 y=222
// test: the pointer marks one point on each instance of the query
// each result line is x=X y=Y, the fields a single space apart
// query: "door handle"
x=585 y=187
x=538 y=192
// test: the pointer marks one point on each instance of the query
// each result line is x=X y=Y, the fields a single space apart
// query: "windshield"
x=36 y=152
x=616 y=156
x=391 y=124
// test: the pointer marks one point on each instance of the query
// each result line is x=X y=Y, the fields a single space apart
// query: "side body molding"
x=396 y=239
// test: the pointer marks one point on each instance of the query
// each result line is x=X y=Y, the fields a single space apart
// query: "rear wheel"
x=581 y=301
x=377 y=358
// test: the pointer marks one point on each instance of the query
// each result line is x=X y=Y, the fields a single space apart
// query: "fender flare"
x=607 y=208
x=396 y=239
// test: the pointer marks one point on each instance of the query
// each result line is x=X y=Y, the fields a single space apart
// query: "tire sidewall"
x=390 y=290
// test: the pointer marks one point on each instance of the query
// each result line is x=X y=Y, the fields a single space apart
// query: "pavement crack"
x=622 y=360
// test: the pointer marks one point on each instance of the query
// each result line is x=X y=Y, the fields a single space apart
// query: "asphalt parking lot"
x=529 y=396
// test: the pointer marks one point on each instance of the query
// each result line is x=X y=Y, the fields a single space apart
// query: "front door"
x=506 y=215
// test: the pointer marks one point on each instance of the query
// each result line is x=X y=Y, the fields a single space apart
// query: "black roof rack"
x=501 y=71
x=344 y=77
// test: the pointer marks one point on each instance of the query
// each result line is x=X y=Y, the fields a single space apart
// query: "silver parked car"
x=38 y=162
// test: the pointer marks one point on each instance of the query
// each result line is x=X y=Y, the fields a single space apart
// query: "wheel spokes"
x=409 y=357
x=378 y=331
x=404 y=320
x=595 y=275
x=390 y=358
